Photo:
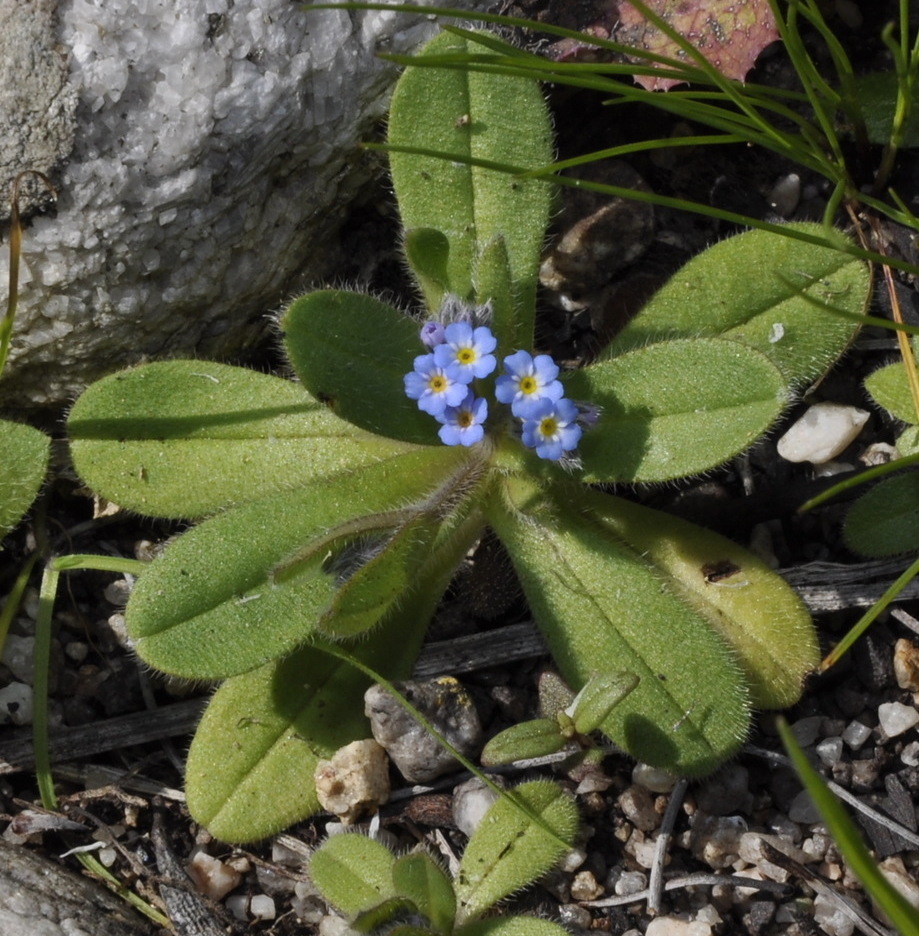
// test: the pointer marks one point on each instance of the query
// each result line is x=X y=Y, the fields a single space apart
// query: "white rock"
x=209 y=159
x=213 y=878
x=856 y=734
x=262 y=907
x=18 y=655
x=910 y=754
x=825 y=430
x=653 y=778
x=830 y=917
x=631 y=882
x=355 y=781
x=895 y=718
x=16 y=704
x=674 y=926
x=895 y=871
x=829 y=750
x=471 y=800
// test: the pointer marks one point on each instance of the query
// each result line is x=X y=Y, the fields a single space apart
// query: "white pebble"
x=213 y=878
x=16 y=704
x=355 y=781
x=822 y=433
x=238 y=905
x=674 y=926
x=262 y=907
x=803 y=810
x=653 y=778
x=910 y=754
x=631 y=882
x=18 y=655
x=831 y=918
x=471 y=800
x=856 y=734
x=829 y=750
x=895 y=718
x=785 y=194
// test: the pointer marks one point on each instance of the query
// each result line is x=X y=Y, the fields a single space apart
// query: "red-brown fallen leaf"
x=729 y=33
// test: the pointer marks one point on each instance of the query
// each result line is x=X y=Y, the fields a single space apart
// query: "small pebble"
x=262 y=907
x=213 y=878
x=584 y=886
x=18 y=656
x=354 y=782
x=653 y=778
x=803 y=810
x=728 y=791
x=716 y=839
x=906 y=664
x=829 y=750
x=638 y=807
x=16 y=704
x=674 y=926
x=807 y=730
x=471 y=800
x=856 y=734
x=895 y=871
x=631 y=882
x=418 y=755
x=238 y=905
x=823 y=432
x=910 y=754
x=831 y=918
x=895 y=718
x=571 y=916
x=785 y=194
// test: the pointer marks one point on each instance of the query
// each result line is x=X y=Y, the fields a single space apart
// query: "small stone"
x=728 y=791
x=831 y=918
x=785 y=195
x=638 y=807
x=674 y=926
x=584 y=886
x=471 y=800
x=238 y=906
x=572 y=860
x=878 y=453
x=18 y=656
x=906 y=664
x=573 y=917
x=807 y=730
x=856 y=734
x=354 y=782
x=16 y=704
x=417 y=754
x=829 y=750
x=631 y=882
x=213 y=878
x=895 y=718
x=641 y=851
x=910 y=754
x=653 y=778
x=823 y=432
x=895 y=871
x=262 y=907
x=803 y=810
x=716 y=839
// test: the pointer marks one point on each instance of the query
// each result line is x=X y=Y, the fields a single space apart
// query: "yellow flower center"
x=528 y=385
x=464 y=419
x=548 y=426
x=465 y=356
x=438 y=383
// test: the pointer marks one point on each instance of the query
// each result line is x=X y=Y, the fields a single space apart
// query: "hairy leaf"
x=353 y=872
x=512 y=926
x=351 y=351
x=674 y=408
x=478 y=116
x=248 y=584
x=535 y=738
x=419 y=878
x=797 y=303
x=605 y=607
x=889 y=387
x=885 y=520
x=185 y=438
x=509 y=850
x=24 y=454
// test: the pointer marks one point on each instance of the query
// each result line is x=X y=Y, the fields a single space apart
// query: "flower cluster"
x=459 y=354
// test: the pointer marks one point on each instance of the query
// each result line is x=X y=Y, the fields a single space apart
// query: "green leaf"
x=427 y=252
x=606 y=607
x=766 y=624
x=885 y=520
x=535 y=738
x=675 y=408
x=509 y=850
x=494 y=282
x=185 y=438
x=248 y=584
x=898 y=910
x=795 y=302
x=877 y=95
x=600 y=695
x=386 y=914
x=889 y=388
x=473 y=115
x=512 y=926
x=24 y=455
x=419 y=878
x=353 y=872
x=351 y=351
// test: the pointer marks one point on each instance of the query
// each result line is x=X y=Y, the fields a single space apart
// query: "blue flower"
x=462 y=425
x=434 y=387
x=551 y=428
x=469 y=348
x=432 y=334
x=529 y=381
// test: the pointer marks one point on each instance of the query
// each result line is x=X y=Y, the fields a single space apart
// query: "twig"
x=656 y=880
